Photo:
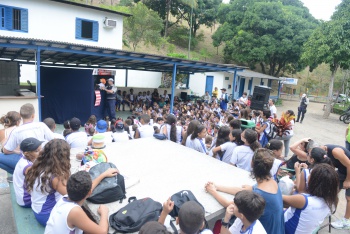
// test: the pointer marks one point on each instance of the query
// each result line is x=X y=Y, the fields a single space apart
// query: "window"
x=86 y=29
x=13 y=18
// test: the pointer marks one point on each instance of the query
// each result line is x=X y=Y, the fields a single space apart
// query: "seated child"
x=208 y=142
x=248 y=207
x=191 y=217
x=68 y=217
x=153 y=227
x=30 y=148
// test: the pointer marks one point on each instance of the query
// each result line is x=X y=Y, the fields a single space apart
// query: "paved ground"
x=324 y=131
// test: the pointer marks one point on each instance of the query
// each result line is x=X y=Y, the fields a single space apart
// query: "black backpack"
x=110 y=189
x=179 y=199
x=134 y=215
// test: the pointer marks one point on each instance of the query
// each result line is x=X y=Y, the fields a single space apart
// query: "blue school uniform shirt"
x=273 y=217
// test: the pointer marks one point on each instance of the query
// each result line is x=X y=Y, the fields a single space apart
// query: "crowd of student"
x=39 y=160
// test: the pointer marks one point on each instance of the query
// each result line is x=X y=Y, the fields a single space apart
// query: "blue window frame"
x=13 y=18
x=86 y=29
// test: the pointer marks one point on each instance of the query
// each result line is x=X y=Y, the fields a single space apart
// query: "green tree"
x=268 y=33
x=330 y=43
x=143 y=26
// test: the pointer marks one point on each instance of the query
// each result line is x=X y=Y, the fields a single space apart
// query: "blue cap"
x=101 y=126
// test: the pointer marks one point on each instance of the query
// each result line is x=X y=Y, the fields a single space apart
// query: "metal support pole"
x=234 y=83
x=173 y=81
x=38 y=80
x=279 y=89
x=126 y=77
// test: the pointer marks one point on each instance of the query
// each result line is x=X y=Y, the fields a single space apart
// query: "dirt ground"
x=323 y=131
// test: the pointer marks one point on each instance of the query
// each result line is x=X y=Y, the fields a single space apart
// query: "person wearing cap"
x=302 y=108
x=102 y=128
x=111 y=92
x=119 y=135
x=223 y=99
x=30 y=150
x=76 y=139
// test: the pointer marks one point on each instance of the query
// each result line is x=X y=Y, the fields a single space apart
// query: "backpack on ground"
x=110 y=189
x=134 y=215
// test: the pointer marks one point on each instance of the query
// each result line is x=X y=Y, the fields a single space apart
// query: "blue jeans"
x=111 y=108
x=8 y=162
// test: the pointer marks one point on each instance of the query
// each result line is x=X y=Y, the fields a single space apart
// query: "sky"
x=320 y=9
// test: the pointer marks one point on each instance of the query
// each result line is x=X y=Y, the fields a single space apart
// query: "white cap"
x=110 y=79
x=304 y=95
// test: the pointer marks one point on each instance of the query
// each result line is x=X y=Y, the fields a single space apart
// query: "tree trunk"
x=168 y=2
x=330 y=94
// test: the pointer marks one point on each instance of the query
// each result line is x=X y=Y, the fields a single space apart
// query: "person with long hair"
x=227 y=141
x=171 y=130
x=197 y=137
x=272 y=219
x=10 y=121
x=46 y=179
x=242 y=155
x=186 y=141
x=302 y=170
x=307 y=211
x=286 y=125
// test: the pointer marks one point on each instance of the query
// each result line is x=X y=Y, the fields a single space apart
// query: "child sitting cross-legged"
x=190 y=219
x=68 y=217
x=247 y=207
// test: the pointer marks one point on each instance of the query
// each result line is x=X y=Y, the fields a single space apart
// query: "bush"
x=339 y=109
x=179 y=36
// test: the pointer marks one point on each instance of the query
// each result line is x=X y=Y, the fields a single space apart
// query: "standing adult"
x=206 y=98
x=273 y=108
x=302 y=108
x=215 y=93
x=341 y=160
x=111 y=92
x=223 y=99
x=155 y=96
x=286 y=129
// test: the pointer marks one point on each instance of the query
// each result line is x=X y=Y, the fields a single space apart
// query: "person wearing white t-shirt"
x=247 y=207
x=119 y=135
x=243 y=99
x=30 y=148
x=273 y=109
x=146 y=130
x=29 y=128
x=76 y=139
x=227 y=148
x=50 y=122
x=102 y=128
x=242 y=155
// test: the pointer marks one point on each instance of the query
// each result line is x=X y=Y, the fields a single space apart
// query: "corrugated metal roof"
x=253 y=74
x=71 y=54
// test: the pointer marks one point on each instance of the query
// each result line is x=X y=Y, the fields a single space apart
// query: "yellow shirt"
x=215 y=93
x=348 y=136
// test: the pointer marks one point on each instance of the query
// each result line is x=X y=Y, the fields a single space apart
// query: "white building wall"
x=138 y=79
x=198 y=80
x=48 y=20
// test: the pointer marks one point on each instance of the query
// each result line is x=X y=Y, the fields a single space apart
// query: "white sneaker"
x=341 y=224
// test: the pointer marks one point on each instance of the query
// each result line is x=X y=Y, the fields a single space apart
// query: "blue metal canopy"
x=62 y=54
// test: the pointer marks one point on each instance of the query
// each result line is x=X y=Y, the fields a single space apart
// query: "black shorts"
x=342 y=178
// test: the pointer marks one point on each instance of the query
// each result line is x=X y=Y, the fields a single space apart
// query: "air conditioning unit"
x=110 y=23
